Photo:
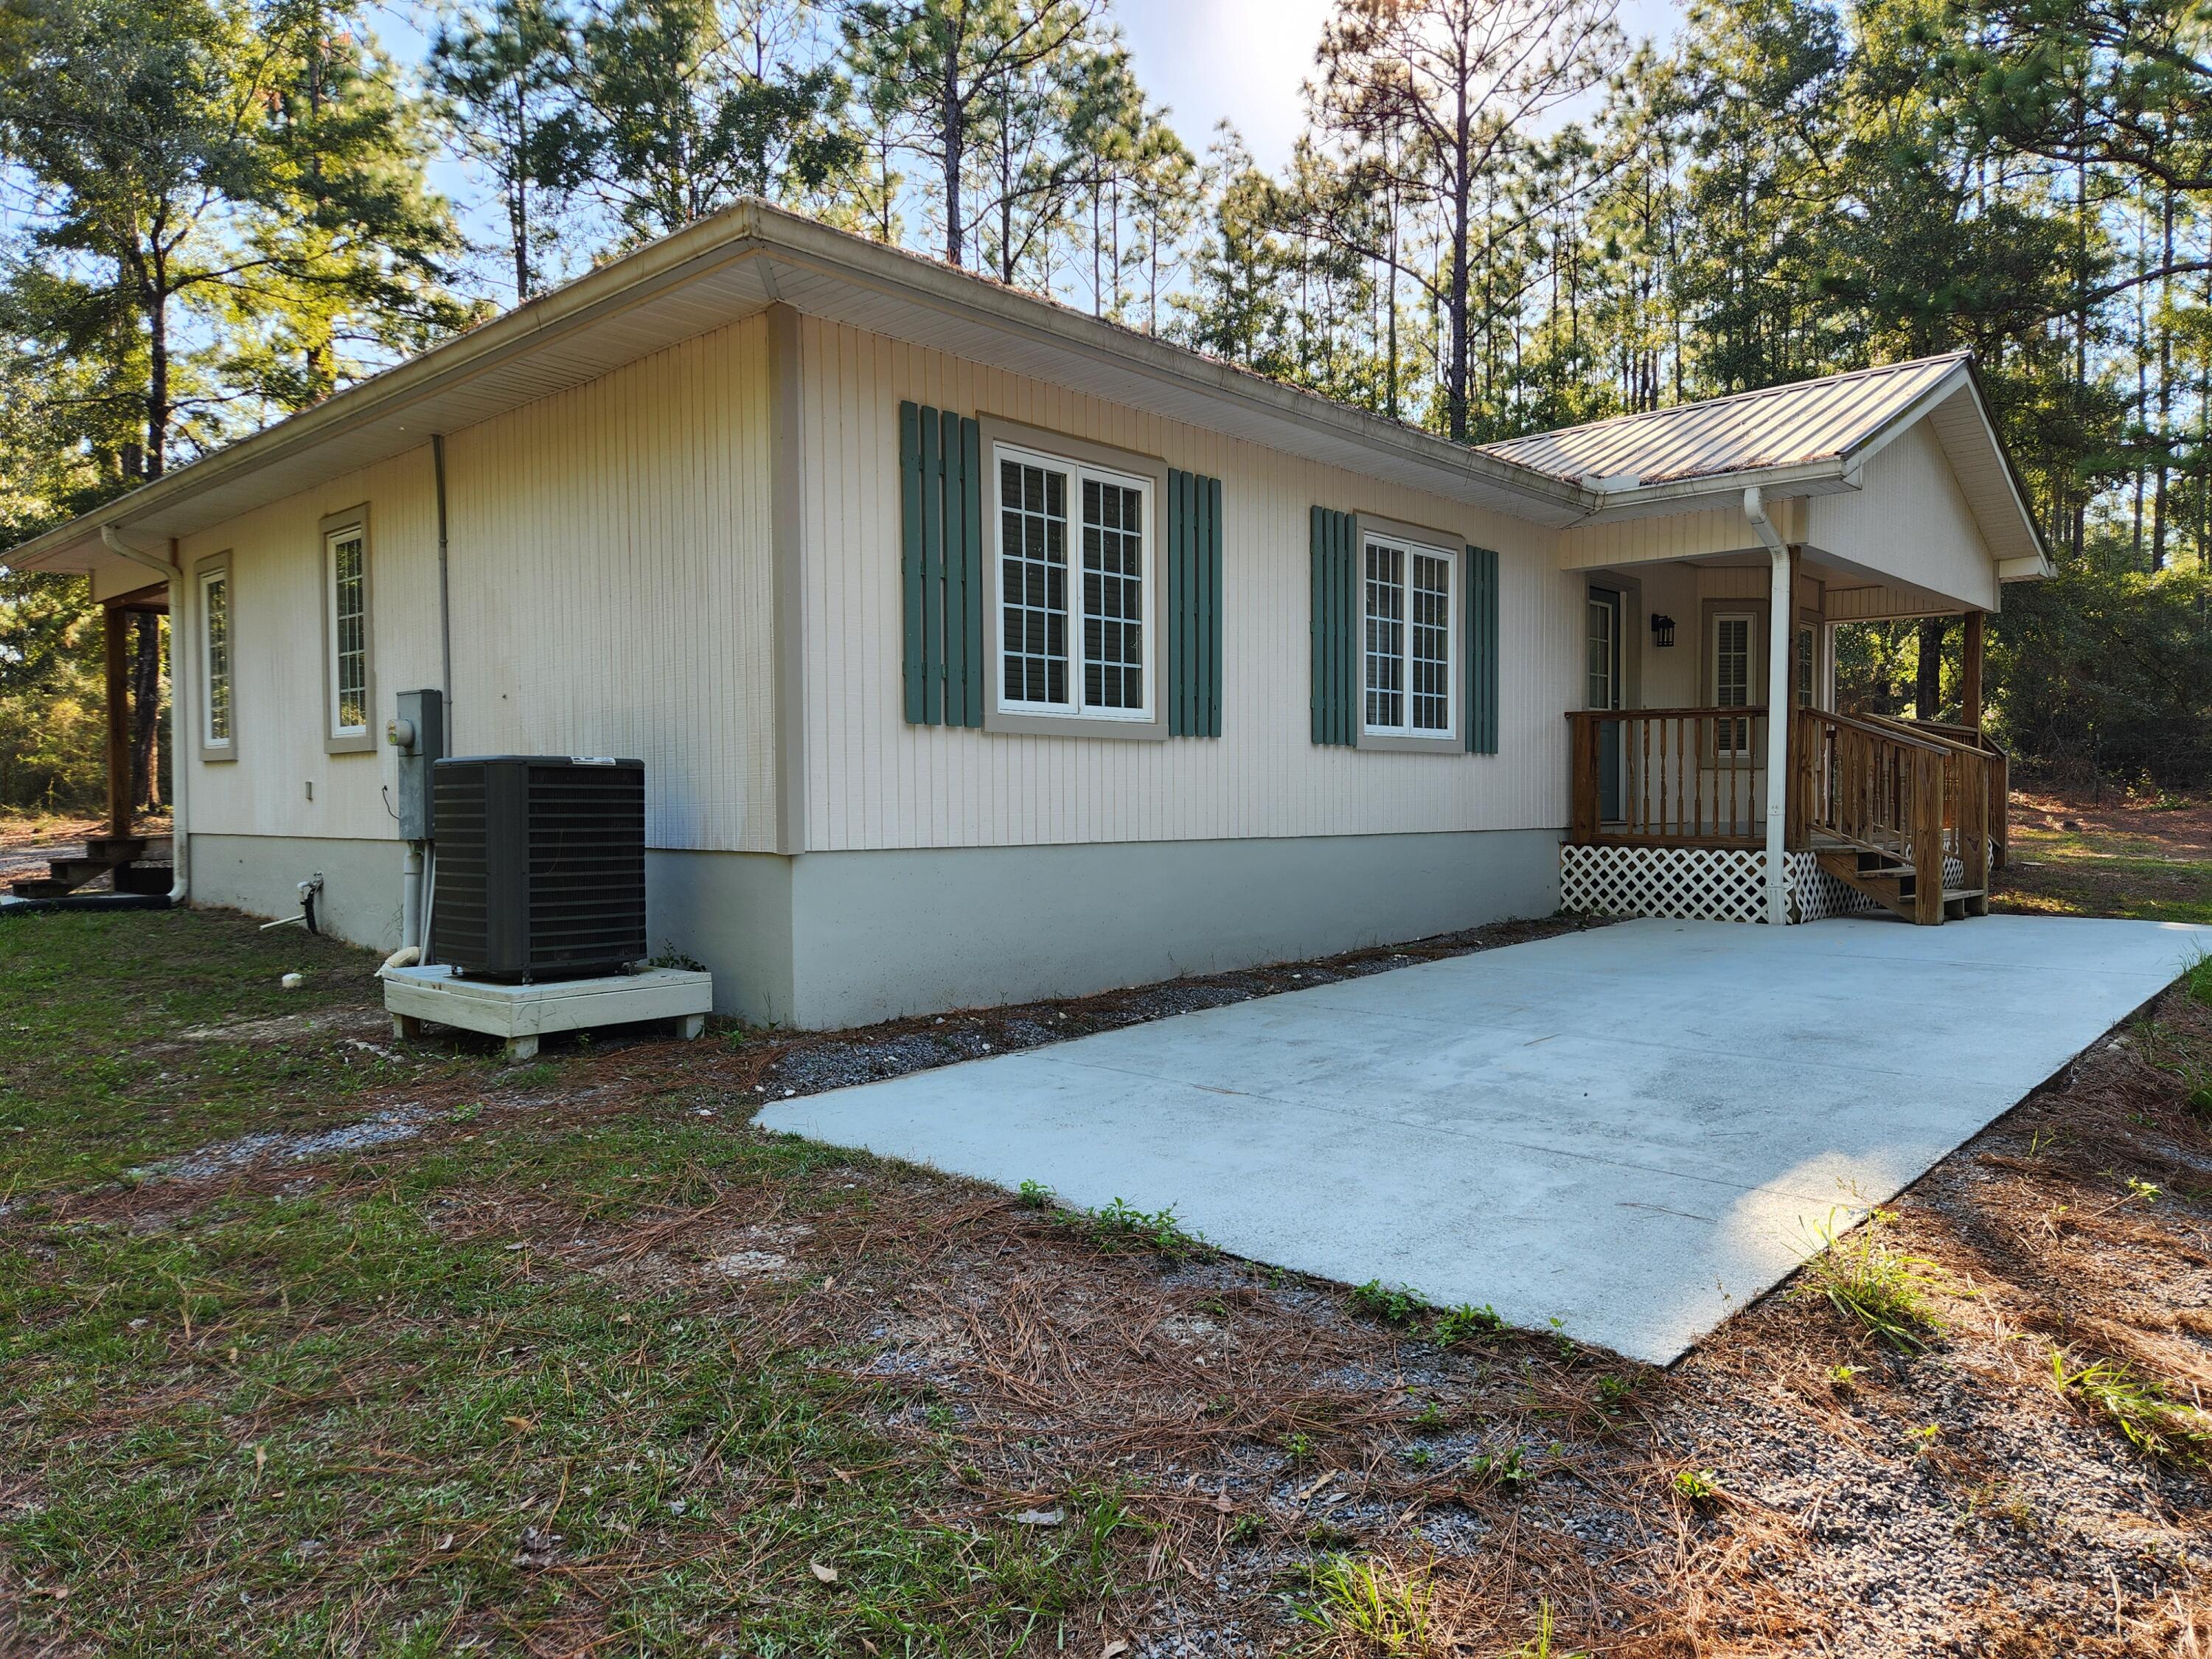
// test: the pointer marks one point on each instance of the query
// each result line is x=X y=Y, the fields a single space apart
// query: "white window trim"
x=210 y=578
x=193 y=643
x=1753 y=620
x=1455 y=646
x=1076 y=472
x=339 y=739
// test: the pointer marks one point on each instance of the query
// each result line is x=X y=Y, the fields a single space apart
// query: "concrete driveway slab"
x=1633 y=1130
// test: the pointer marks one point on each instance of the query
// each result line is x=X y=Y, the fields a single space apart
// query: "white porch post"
x=1781 y=636
x=1781 y=657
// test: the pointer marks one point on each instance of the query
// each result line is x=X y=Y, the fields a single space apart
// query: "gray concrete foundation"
x=834 y=940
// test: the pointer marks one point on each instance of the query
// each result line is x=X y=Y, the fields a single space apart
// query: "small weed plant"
x=2154 y=1423
x=1388 y=1304
x=1541 y=1644
x=1465 y=1324
x=1879 y=1287
x=1122 y=1226
x=2196 y=979
x=1701 y=1487
x=1366 y=1607
x=1508 y=1470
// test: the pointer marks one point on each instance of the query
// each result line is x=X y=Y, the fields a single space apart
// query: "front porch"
x=1671 y=814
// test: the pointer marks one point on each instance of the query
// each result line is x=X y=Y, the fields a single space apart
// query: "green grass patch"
x=1369 y=1607
x=106 y=1063
x=1882 y=1290
x=2141 y=1408
x=372 y=1411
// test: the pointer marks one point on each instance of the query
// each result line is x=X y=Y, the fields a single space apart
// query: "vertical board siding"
x=877 y=780
x=910 y=542
x=277 y=669
x=611 y=554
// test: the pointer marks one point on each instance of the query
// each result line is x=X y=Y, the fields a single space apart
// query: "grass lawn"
x=315 y=1344
x=2113 y=858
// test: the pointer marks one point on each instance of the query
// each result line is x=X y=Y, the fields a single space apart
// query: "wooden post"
x=1969 y=680
x=1927 y=831
x=1584 y=760
x=1974 y=827
x=114 y=625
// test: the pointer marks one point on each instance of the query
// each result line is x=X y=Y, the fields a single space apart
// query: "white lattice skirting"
x=1707 y=884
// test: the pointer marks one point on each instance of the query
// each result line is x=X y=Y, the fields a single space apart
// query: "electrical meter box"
x=418 y=733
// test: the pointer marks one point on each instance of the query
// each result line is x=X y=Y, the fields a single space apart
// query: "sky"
x=1244 y=60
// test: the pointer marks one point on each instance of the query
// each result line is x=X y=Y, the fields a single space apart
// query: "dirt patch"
x=385 y=1129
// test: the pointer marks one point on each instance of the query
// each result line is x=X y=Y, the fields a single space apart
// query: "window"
x=215 y=658
x=1808 y=657
x=1732 y=677
x=349 y=673
x=1072 y=641
x=1409 y=641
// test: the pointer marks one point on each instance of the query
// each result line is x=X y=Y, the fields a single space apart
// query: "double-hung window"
x=215 y=659
x=347 y=666
x=1074 y=587
x=1409 y=644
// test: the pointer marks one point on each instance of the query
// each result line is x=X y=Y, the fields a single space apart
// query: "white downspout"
x=181 y=748
x=1781 y=610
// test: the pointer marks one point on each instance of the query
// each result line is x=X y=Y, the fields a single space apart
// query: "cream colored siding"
x=277 y=664
x=611 y=572
x=1675 y=536
x=1910 y=520
x=875 y=781
x=610 y=580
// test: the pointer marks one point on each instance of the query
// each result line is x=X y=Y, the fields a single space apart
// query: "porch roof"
x=1808 y=438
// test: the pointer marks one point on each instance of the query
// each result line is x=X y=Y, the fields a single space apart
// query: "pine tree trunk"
x=1928 y=684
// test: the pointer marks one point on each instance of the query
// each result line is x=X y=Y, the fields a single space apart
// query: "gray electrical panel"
x=418 y=733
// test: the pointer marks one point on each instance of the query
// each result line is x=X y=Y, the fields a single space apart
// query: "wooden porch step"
x=42 y=887
x=1888 y=881
x=126 y=849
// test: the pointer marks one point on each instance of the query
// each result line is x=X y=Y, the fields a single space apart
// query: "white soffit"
x=729 y=267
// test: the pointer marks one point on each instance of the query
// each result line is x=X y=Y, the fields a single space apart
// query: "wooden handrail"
x=1996 y=820
x=1913 y=796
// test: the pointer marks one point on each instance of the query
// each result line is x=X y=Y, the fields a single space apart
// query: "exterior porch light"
x=1662 y=632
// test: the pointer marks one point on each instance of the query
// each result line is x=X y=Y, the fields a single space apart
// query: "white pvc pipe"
x=410 y=898
x=1781 y=608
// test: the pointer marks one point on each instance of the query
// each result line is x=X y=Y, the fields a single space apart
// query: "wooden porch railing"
x=1684 y=777
x=1901 y=790
x=1997 y=765
x=1913 y=792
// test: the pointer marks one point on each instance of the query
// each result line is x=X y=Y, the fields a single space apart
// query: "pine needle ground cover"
x=314 y=1343
x=2149 y=858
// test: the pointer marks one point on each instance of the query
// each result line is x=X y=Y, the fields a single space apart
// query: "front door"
x=1604 y=692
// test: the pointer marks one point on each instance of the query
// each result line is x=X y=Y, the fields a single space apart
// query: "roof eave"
x=751 y=230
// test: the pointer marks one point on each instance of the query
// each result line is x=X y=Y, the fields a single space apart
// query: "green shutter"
x=910 y=552
x=1482 y=651
x=1335 y=623
x=940 y=532
x=1191 y=552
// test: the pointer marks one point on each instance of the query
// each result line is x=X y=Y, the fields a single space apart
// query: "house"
x=978 y=650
